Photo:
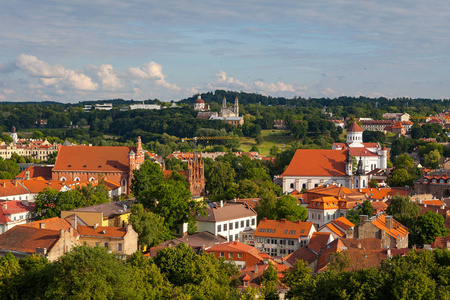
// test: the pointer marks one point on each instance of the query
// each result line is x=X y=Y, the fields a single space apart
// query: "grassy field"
x=272 y=137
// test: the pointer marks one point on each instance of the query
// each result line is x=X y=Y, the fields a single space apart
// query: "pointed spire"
x=224 y=102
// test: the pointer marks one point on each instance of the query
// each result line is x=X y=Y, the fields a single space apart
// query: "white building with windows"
x=13 y=213
x=282 y=237
x=227 y=219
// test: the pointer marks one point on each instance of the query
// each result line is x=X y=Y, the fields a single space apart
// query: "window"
x=285 y=231
x=246 y=283
x=318 y=217
x=236 y=237
x=119 y=247
x=230 y=255
x=239 y=255
x=225 y=227
x=312 y=216
x=219 y=228
x=273 y=231
x=303 y=230
x=106 y=244
x=236 y=225
x=222 y=254
x=253 y=221
x=230 y=238
x=291 y=186
x=247 y=223
x=231 y=225
x=242 y=223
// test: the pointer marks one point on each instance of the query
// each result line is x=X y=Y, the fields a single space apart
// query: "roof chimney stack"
x=42 y=225
x=388 y=222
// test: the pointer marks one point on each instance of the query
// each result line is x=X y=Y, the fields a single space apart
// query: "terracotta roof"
x=363 y=259
x=319 y=240
x=379 y=206
x=302 y=253
x=397 y=228
x=381 y=193
x=229 y=211
x=254 y=278
x=344 y=146
x=364 y=244
x=338 y=226
x=361 y=151
x=16 y=207
x=93 y=158
x=11 y=188
x=36 y=171
x=283 y=229
x=326 y=253
x=253 y=202
x=441 y=242
x=432 y=202
x=52 y=224
x=102 y=231
x=37 y=185
x=237 y=247
x=27 y=239
x=313 y=162
x=354 y=127
x=324 y=203
x=333 y=190
x=343 y=223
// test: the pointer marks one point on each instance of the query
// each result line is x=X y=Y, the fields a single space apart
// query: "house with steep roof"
x=25 y=240
x=282 y=237
x=241 y=254
x=338 y=228
x=12 y=190
x=383 y=227
x=44 y=172
x=252 y=277
x=121 y=240
x=310 y=253
x=13 y=213
x=329 y=202
x=227 y=219
x=88 y=163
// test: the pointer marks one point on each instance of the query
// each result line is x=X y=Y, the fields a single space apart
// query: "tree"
x=266 y=207
x=429 y=226
x=9 y=270
x=148 y=176
x=8 y=169
x=432 y=160
x=287 y=207
x=149 y=226
x=37 y=135
x=219 y=178
x=404 y=161
x=399 y=177
x=373 y=183
x=404 y=210
x=366 y=209
x=91 y=273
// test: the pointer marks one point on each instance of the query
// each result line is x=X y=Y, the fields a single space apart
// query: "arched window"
x=77 y=179
x=316 y=185
x=123 y=182
x=441 y=181
x=318 y=216
x=63 y=179
x=364 y=183
x=91 y=179
x=304 y=186
x=357 y=183
x=291 y=185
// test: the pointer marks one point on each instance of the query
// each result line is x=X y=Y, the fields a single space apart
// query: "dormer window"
x=434 y=180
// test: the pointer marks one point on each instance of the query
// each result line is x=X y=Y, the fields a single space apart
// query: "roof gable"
x=314 y=162
x=93 y=158
x=283 y=229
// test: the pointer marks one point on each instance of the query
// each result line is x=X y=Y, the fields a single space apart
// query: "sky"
x=71 y=51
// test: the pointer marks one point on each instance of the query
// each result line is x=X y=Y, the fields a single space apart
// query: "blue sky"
x=71 y=51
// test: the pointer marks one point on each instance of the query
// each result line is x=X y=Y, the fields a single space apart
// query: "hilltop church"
x=310 y=168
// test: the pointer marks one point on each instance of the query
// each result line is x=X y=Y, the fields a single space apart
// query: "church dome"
x=199 y=99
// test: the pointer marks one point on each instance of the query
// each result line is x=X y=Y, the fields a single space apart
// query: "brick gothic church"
x=195 y=175
x=83 y=163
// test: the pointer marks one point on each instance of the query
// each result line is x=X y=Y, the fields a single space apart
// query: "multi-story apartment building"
x=282 y=237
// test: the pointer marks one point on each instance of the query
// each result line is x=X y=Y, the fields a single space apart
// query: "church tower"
x=14 y=135
x=236 y=107
x=354 y=135
x=360 y=176
x=224 y=103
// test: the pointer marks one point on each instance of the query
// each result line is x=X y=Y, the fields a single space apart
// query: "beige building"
x=35 y=149
x=383 y=227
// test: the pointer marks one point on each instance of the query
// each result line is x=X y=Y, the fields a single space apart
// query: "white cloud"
x=222 y=78
x=152 y=71
x=81 y=82
x=39 y=68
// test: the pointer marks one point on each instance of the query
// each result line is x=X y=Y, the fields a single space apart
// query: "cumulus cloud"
x=39 y=68
x=222 y=78
x=152 y=71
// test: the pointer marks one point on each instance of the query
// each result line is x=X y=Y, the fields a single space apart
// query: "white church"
x=310 y=168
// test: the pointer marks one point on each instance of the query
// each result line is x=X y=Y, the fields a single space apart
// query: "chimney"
x=5 y=205
x=283 y=220
x=95 y=225
x=42 y=225
x=388 y=222
x=129 y=227
x=264 y=219
x=256 y=269
x=221 y=203
x=363 y=218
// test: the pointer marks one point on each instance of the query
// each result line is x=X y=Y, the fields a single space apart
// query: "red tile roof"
x=354 y=127
x=15 y=207
x=11 y=188
x=93 y=158
x=52 y=224
x=229 y=211
x=36 y=171
x=27 y=239
x=237 y=247
x=313 y=162
x=283 y=229
x=319 y=240
x=381 y=193
x=397 y=228
x=303 y=253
